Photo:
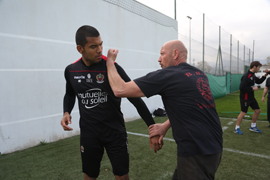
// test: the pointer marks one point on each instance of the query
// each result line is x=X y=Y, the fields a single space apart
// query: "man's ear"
x=175 y=53
x=80 y=49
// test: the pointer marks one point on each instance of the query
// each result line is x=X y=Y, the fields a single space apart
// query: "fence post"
x=230 y=62
x=244 y=59
x=249 y=55
x=253 y=50
x=203 y=40
x=238 y=57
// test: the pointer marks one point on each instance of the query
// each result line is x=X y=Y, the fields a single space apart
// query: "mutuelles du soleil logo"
x=93 y=97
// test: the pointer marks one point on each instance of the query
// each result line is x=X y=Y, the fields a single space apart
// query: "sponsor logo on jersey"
x=88 y=78
x=79 y=77
x=100 y=78
x=79 y=81
x=82 y=149
x=93 y=97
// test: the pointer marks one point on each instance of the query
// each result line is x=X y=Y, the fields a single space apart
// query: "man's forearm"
x=116 y=82
x=119 y=86
x=167 y=124
x=265 y=92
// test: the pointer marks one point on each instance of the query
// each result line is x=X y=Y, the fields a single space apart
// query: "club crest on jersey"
x=251 y=78
x=100 y=78
x=88 y=79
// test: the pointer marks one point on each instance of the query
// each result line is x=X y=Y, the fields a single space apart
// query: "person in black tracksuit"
x=265 y=91
x=190 y=106
x=101 y=120
x=247 y=88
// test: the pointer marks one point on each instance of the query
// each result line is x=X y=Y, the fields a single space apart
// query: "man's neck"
x=252 y=70
x=87 y=63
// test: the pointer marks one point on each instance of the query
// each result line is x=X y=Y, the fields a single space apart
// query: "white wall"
x=37 y=41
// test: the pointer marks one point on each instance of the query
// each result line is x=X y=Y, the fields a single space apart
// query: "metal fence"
x=211 y=48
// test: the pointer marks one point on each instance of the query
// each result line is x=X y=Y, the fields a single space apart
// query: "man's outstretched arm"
x=119 y=86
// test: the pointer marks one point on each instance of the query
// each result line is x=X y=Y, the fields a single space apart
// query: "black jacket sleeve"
x=137 y=102
x=69 y=98
x=259 y=80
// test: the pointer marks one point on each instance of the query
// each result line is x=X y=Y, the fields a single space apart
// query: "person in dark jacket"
x=247 y=88
x=189 y=104
x=265 y=91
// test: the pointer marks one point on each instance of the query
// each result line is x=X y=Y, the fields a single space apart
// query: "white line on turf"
x=247 y=153
x=242 y=119
x=224 y=128
x=225 y=149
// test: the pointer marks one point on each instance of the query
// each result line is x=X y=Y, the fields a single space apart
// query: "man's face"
x=92 y=51
x=257 y=69
x=165 y=58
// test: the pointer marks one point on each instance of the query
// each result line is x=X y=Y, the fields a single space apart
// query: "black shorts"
x=92 y=150
x=246 y=103
x=197 y=167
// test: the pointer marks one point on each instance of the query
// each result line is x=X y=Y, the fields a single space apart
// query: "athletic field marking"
x=242 y=119
x=224 y=128
x=230 y=123
x=145 y=135
x=247 y=153
x=225 y=149
x=166 y=175
x=33 y=119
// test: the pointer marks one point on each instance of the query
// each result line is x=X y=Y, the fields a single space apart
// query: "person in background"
x=265 y=91
x=247 y=88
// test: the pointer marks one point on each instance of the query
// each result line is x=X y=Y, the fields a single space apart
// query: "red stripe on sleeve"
x=77 y=61
x=105 y=58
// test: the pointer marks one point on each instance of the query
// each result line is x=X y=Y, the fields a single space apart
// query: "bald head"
x=172 y=53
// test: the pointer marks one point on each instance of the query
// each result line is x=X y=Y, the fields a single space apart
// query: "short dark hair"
x=83 y=32
x=255 y=63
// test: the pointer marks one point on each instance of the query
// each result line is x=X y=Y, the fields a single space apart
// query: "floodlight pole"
x=253 y=50
x=189 y=38
x=175 y=9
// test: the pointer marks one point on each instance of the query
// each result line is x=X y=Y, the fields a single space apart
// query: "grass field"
x=231 y=103
x=245 y=157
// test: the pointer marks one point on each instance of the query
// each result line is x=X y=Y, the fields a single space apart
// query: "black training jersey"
x=267 y=84
x=99 y=108
x=190 y=107
x=248 y=81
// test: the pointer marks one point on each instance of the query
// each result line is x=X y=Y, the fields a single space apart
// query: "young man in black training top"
x=190 y=107
x=247 y=88
x=101 y=120
x=265 y=91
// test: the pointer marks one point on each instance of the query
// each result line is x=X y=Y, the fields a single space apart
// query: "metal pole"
x=253 y=50
x=231 y=63
x=175 y=9
x=249 y=55
x=244 y=58
x=237 y=57
x=189 y=38
x=219 y=50
x=203 y=40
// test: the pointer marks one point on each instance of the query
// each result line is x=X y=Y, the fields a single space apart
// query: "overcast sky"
x=246 y=20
